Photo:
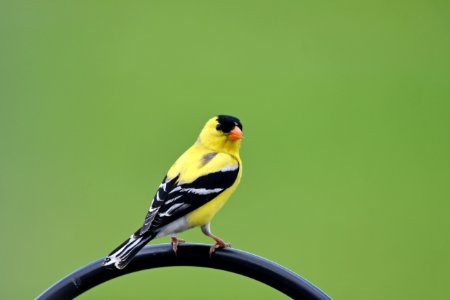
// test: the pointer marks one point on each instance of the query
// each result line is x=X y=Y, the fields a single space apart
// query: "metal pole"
x=195 y=255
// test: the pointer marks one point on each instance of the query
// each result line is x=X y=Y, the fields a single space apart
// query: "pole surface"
x=189 y=254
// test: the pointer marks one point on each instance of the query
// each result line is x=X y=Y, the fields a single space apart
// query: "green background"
x=345 y=106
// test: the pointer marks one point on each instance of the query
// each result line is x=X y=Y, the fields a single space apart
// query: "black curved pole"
x=195 y=255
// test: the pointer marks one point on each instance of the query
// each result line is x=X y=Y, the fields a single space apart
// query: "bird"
x=194 y=189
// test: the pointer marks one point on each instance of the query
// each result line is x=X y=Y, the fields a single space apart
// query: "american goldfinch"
x=197 y=185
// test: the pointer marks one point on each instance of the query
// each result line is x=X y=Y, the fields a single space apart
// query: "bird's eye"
x=225 y=128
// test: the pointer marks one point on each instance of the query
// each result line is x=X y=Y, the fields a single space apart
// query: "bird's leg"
x=175 y=242
x=219 y=242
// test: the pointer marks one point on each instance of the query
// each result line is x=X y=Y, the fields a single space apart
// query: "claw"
x=219 y=244
x=175 y=242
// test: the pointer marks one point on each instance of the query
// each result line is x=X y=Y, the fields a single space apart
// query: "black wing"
x=174 y=199
x=162 y=194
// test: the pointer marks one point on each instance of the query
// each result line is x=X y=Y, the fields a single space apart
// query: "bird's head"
x=222 y=134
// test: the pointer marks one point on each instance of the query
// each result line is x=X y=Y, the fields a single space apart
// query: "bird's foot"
x=175 y=242
x=219 y=244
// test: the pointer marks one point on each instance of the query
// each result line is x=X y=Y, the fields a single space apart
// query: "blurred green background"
x=345 y=107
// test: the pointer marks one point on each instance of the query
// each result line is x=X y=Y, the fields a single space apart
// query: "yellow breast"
x=191 y=166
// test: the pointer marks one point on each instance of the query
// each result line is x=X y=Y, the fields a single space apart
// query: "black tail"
x=122 y=255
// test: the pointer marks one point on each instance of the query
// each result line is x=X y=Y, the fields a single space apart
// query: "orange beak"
x=235 y=134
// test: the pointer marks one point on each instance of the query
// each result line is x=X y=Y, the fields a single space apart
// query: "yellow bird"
x=196 y=187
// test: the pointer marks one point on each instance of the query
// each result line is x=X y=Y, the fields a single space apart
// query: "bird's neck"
x=227 y=146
